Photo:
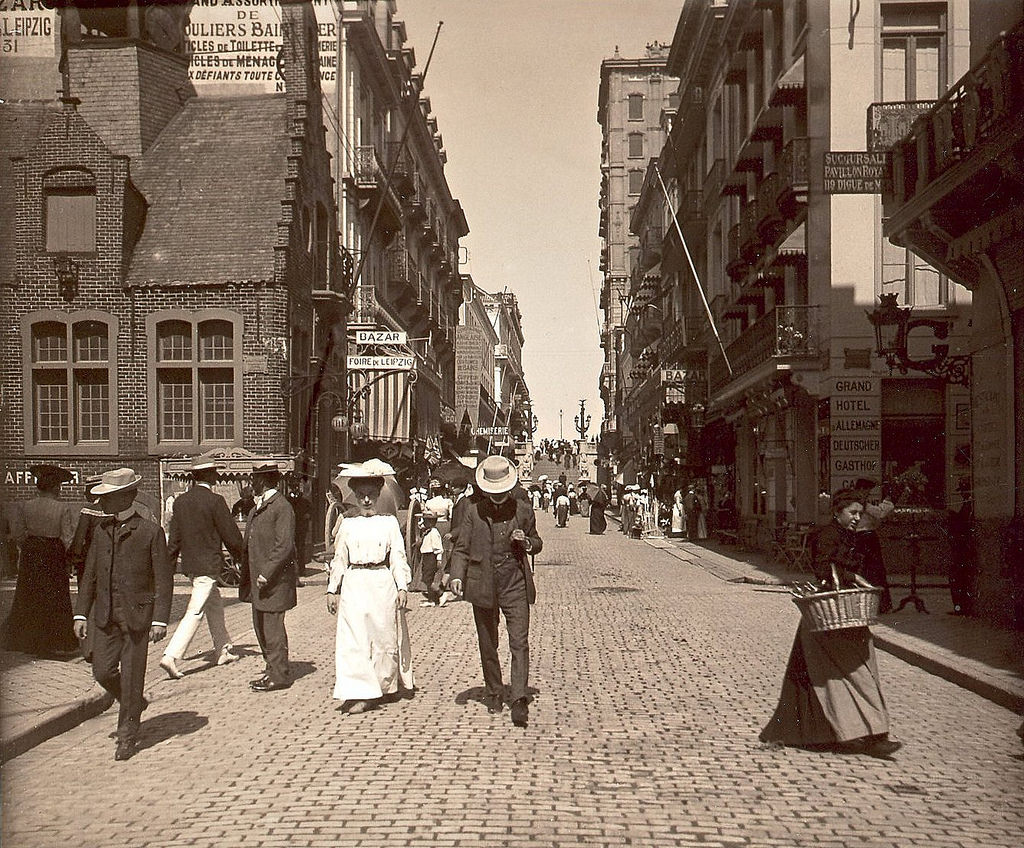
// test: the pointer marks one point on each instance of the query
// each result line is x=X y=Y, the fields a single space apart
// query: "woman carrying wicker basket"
x=831 y=696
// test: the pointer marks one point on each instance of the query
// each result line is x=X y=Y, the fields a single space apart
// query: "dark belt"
x=368 y=564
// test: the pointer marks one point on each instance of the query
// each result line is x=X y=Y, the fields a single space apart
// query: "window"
x=636 y=107
x=70 y=381
x=70 y=221
x=636 y=145
x=913 y=68
x=636 y=181
x=195 y=379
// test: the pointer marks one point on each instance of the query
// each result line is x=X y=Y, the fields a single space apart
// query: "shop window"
x=70 y=382
x=195 y=380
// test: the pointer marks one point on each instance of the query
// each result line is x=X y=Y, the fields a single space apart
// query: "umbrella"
x=391 y=496
x=453 y=472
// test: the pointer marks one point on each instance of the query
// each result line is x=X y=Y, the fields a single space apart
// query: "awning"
x=387 y=409
x=793 y=248
x=789 y=88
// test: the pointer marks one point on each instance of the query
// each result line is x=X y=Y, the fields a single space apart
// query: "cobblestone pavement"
x=652 y=678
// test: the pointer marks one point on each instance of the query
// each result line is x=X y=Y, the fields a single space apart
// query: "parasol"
x=453 y=472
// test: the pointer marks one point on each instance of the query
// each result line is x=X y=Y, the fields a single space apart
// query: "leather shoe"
x=125 y=749
x=882 y=748
x=263 y=679
x=269 y=685
x=357 y=707
x=227 y=656
x=493 y=702
x=520 y=712
x=167 y=664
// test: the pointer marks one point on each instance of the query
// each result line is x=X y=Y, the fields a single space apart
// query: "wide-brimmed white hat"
x=116 y=481
x=370 y=468
x=206 y=465
x=496 y=475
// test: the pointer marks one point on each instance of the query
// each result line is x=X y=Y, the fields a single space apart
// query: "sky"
x=513 y=85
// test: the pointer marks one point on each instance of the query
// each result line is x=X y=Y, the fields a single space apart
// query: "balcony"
x=501 y=351
x=712 y=187
x=780 y=337
x=769 y=218
x=368 y=178
x=793 y=171
x=403 y=175
x=415 y=201
x=650 y=248
x=366 y=310
x=735 y=265
x=402 y=275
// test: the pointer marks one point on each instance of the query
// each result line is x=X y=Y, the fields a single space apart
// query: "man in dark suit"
x=268 y=575
x=201 y=526
x=493 y=539
x=128 y=585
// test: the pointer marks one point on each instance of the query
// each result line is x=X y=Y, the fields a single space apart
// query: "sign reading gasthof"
x=855 y=440
x=381 y=363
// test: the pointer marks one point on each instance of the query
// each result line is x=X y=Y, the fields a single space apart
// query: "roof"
x=214 y=182
x=21 y=125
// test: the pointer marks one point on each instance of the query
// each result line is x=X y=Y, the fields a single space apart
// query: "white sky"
x=513 y=85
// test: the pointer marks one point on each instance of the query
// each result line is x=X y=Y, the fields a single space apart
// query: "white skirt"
x=372 y=654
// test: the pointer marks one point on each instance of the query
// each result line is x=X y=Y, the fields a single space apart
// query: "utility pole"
x=559 y=425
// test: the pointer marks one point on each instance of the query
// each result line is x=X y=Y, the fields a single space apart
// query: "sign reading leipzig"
x=381 y=363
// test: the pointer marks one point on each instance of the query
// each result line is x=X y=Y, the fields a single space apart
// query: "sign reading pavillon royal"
x=855 y=172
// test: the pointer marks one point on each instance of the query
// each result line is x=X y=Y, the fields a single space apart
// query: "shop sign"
x=673 y=375
x=24 y=477
x=381 y=337
x=855 y=172
x=27 y=29
x=490 y=431
x=855 y=440
x=381 y=363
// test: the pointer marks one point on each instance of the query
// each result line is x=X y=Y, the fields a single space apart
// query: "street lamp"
x=893 y=326
x=582 y=421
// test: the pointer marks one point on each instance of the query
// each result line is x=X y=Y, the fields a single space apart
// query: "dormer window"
x=70 y=216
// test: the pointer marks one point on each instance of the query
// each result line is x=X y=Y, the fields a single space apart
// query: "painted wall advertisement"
x=27 y=29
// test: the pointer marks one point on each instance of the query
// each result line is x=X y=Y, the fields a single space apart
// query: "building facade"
x=511 y=393
x=633 y=98
x=160 y=293
x=476 y=406
x=750 y=322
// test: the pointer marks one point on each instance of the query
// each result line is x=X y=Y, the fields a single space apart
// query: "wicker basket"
x=840 y=609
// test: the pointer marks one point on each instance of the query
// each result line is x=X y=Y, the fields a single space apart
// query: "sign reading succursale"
x=381 y=363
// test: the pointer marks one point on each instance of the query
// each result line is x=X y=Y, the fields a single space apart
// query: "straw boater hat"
x=116 y=481
x=496 y=475
x=372 y=469
x=205 y=465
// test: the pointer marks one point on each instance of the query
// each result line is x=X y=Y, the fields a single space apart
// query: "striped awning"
x=387 y=408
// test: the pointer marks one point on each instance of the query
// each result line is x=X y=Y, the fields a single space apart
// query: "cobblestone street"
x=652 y=678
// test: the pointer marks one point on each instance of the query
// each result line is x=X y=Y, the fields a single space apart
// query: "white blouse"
x=366 y=539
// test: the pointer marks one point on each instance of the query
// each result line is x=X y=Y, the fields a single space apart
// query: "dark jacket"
x=270 y=551
x=471 y=556
x=834 y=544
x=131 y=555
x=200 y=524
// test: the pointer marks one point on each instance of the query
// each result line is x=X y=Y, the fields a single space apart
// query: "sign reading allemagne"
x=381 y=363
x=855 y=172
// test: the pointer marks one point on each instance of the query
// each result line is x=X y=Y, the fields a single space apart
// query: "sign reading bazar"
x=855 y=172
x=381 y=337
x=381 y=363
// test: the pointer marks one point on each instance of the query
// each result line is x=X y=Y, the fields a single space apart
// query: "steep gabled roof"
x=21 y=125
x=214 y=184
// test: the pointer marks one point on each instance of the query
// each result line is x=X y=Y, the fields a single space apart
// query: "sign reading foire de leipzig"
x=381 y=363
x=381 y=337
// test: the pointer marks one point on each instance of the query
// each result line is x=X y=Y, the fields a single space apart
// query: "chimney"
x=301 y=61
x=133 y=81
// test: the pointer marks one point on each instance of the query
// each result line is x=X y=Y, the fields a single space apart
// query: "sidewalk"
x=970 y=653
x=41 y=698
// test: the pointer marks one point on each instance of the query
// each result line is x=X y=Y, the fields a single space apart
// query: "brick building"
x=173 y=261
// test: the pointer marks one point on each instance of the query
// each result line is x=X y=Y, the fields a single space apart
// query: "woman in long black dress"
x=598 y=504
x=40 y=618
x=831 y=695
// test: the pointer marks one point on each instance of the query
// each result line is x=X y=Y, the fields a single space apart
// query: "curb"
x=86 y=707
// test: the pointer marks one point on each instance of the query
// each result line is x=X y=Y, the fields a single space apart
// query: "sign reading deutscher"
x=855 y=172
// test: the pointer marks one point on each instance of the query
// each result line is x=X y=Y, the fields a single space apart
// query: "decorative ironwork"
x=66 y=270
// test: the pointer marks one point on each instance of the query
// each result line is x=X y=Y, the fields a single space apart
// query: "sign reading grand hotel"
x=855 y=172
x=855 y=441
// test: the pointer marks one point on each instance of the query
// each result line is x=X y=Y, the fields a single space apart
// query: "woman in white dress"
x=368 y=591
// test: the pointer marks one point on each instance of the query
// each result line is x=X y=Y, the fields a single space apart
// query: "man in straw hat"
x=268 y=575
x=489 y=567
x=200 y=527
x=127 y=586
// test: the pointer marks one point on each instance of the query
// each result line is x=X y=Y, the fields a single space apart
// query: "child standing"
x=431 y=551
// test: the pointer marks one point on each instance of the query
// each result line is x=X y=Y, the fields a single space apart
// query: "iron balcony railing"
x=783 y=333
x=793 y=168
x=366 y=308
x=366 y=167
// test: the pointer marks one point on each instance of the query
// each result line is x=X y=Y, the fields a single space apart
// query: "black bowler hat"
x=49 y=475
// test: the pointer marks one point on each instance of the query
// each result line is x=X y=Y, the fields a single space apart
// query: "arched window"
x=70 y=382
x=195 y=379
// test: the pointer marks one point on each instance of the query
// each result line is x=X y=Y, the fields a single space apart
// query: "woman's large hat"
x=116 y=481
x=370 y=468
x=496 y=475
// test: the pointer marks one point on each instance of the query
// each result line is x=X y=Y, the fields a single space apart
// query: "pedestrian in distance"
x=831 y=697
x=677 y=527
x=201 y=528
x=877 y=508
x=598 y=504
x=431 y=553
x=368 y=592
x=89 y=518
x=39 y=622
x=268 y=575
x=562 y=506
x=302 y=507
x=127 y=590
x=490 y=568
